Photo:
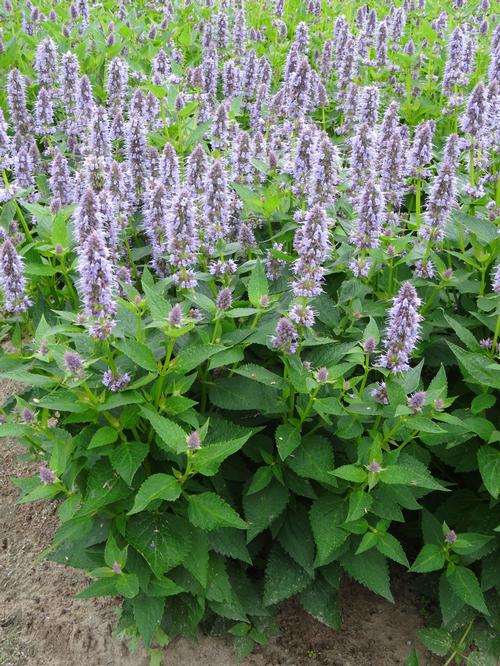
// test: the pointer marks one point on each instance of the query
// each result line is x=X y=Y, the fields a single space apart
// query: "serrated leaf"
x=197 y=562
x=438 y=641
x=192 y=356
x=350 y=473
x=287 y=440
x=321 y=601
x=208 y=459
x=296 y=538
x=371 y=570
x=208 y=511
x=464 y=583
x=430 y=558
x=326 y=515
x=391 y=548
x=260 y=374
x=139 y=353
x=101 y=587
x=156 y=487
x=359 y=505
x=489 y=466
x=408 y=476
x=162 y=540
x=148 y=612
x=127 y=458
x=171 y=436
x=482 y=402
x=127 y=584
x=284 y=577
x=163 y=587
x=313 y=459
x=476 y=370
x=262 y=508
x=449 y=603
x=104 y=436
x=257 y=284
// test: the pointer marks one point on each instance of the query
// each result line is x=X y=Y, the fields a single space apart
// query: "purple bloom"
x=73 y=363
x=100 y=140
x=324 y=178
x=197 y=170
x=298 y=90
x=312 y=245
x=375 y=467
x=16 y=94
x=46 y=62
x=155 y=224
x=274 y=265
x=369 y=345
x=183 y=243
x=421 y=150
x=47 y=476
x=367 y=111
x=215 y=205
x=116 y=382
x=87 y=217
x=416 y=401
x=193 y=441
x=379 y=394
x=495 y=283
x=403 y=329
x=61 y=183
x=44 y=113
x=246 y=237
x=393 y=170
x=442 y=195
x=362 y=161
x=85 y=105
x=451 y=537
x=302 y=315
x=209 y=72
x=322 y=375
x=302 y=161
x=12 y=279
x=241 y=154
x=476 y=114
x=97 y=284
x=175 y=316
x=24 y=168
x=453 y=68
x=137 y=151
x=224 y=299
x=371 y=214
x=286 y=336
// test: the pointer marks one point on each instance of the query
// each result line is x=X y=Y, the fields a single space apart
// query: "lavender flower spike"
x=183 y=242
x=403 y=329
x=312 y=245
x=286 y=336
x=371 y=214
x=12 y=280
x=97 y=284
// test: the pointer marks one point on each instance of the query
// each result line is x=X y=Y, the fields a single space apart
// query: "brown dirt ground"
x=41 y=624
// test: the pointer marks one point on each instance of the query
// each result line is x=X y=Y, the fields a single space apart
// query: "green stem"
x=461 y=642
x=418 y=196
x=495 y=337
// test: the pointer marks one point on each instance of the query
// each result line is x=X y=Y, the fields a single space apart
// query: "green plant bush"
x=207 y=466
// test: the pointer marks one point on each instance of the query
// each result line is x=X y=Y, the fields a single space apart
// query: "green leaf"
x=197 y=562
x=163 y=587
x=295 y=536
x=284 y=577
x=430 y=558
x=171 y=436
x=260 y=480
x=449 y=603
x=359 y=505
x=257 y=284
x=326 y=515
x=489 y=467
x=438 y=641
x=287 y=440
x=371 y=570
x=209 y=511
x=262 y=508
x=412 y=659
x=156 y=487
x=260 y=374
x=313 y=459
x=127 y=585
x=482 y=402
x=476 y=370
x=148 y=612
x=138 y=353
x=127 y=458
x=391 y=548
x=409 y=476
x=470 y=543
x=105 y=435
x=162 y=540
x=464 y=335
x=368 y=541
x=102 y=587
x=321 y=601
x=192 y=356
x=464 y=583
x=208 y=459
x=350 y=473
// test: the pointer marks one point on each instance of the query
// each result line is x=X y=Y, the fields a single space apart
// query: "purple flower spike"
x=286 y=336
x=47 y=476
x=416 y=401
x=116 y=382
x=371 y=215
x=183 y=243
x=312 y=245
x=12 y=279
x=403 y=329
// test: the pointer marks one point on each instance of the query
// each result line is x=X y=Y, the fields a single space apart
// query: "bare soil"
x=41 y=624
